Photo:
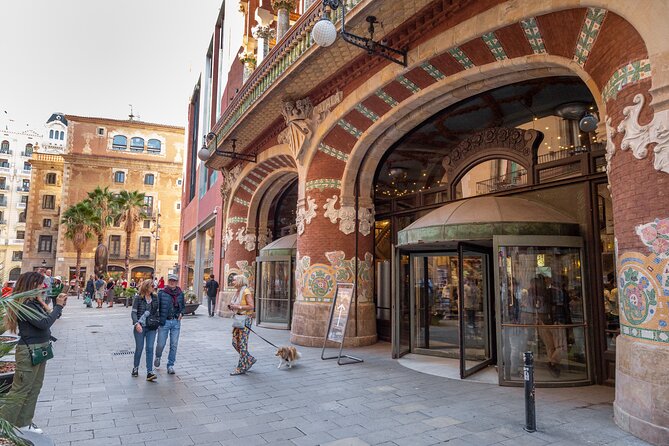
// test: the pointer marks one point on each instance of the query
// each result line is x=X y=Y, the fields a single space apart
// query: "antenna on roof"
x=132 y=115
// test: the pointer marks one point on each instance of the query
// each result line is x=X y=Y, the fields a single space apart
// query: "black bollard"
x=528 y=374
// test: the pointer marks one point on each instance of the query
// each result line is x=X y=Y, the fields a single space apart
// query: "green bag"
x=40 y=354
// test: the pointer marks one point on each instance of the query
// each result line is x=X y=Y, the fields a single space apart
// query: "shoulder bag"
x=239 y=320
x=153 y=321
x=40 y=354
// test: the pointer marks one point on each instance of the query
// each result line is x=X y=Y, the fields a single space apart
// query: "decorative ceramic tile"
x=629 y=74
x=367 y=113
x=589 y=32
x=432 y=71
x=655 y=235
x=324 y=183
x=349 y=128
x=461 y=57
x=242 y=202
x=246 y=188
x=333 y=152
x=251 y=181
x=237 y=220
x=261 y=169
x=385 y=97
x=406 y=83
x=533 y=35
x=496 y=48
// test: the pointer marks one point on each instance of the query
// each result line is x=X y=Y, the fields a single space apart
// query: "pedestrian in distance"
x=172 y=307
x=212 y=291
x=145 y=320
x=161 y=283
x=110 y=292
x=100 y=290
x=89 y=292
x=243 y=306
x=48 y=283
x=32 y=350
x=56 y=289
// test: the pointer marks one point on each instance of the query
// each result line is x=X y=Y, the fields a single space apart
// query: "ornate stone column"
x=263 y=35
x=248 y=58
x=638 y=155
x=283 y=8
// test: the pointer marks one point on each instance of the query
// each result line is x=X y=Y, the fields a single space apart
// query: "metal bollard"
x=530 y=412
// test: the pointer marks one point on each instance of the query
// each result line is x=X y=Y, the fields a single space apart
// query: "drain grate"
x=123 y=353
x=90 y=326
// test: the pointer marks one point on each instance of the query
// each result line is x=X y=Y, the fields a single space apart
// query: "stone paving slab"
x=89 y=397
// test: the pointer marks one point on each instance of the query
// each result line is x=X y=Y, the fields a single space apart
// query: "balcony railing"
x=27 y=154
x=502 y=182
x=4 y=186
x=23 y=189
x=562 y=154
x=16 y=241
x=6 y=151
x=4 y=167
x=21 y=205
x=26 y=171
x=3 y=222
x=3 y=202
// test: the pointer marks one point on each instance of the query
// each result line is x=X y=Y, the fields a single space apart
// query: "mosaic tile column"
x=638 y=150
x=326 y=255
x=283 y=8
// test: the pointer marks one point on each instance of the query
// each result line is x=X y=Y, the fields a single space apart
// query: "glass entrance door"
x=274 y=291
x=474 y=308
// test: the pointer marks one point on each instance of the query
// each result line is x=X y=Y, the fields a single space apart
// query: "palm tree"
x=131 y=210
x=79 y=219
x=104 y=205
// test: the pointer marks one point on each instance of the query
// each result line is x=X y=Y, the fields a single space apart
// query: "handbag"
x=40 y=354
x=153 y=321
x=238 y=321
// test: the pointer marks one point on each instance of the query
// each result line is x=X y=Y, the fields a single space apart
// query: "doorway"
x=450 y=311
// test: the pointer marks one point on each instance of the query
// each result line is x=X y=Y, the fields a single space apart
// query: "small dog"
x=288 y=356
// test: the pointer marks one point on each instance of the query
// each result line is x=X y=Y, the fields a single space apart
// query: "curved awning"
x=480 y=218
x=285 y=246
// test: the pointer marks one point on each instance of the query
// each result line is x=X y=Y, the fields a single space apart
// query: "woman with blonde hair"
x=145 y=321
x=33 y=327
x=242 y=304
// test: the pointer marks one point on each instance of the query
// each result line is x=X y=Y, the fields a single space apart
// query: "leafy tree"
x=131 y=209
x=79 y=220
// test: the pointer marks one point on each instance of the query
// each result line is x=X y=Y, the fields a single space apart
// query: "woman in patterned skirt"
x=242 y=304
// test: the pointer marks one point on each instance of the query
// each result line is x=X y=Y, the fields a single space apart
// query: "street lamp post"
x=156 y=235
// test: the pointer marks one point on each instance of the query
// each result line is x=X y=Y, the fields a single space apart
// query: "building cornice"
x=114 y=162
x=125 y=123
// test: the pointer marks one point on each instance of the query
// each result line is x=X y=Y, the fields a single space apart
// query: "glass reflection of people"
x=471 y=302
x=554 y=339
x=521 y=312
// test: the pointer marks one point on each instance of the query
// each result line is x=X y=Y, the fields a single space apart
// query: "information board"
x=341 y=307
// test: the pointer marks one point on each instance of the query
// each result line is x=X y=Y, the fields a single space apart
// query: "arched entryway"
x=14 y=274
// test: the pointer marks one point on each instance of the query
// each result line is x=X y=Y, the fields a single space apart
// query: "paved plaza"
x=89 y=397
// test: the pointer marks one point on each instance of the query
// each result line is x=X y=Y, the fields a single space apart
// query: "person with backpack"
x=145 y=320
x=90 y=292
x=100 y=288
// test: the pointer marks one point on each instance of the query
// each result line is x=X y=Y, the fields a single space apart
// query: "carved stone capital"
x=288 y=5
x=346 y=216
x=229 y=179
x=264 y=32
x=302 y=118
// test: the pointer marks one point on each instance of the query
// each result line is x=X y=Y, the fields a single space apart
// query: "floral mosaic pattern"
x=320 y=282
x=495 y=46
x=629 y=74
x=638 y=299
x=301 y=267
x=533 y=35
x=655 y=236
x=324 y=183
x=589 y=32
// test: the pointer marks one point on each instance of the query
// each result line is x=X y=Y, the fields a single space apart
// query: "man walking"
x=172 y=306
x=48 y=284
x=212 y=291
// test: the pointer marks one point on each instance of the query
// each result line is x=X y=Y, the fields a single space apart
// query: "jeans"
x=211 y=304
x=28 y=379
x=172 y=328
x=148 y=337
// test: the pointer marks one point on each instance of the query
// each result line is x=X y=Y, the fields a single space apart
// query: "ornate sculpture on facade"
x=346 y=217
x=638 y=137
x=229 y=179
x=305 y=215
x=302 y=118
x=248 y=241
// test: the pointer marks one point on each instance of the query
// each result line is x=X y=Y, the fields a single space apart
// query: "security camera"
x=215 y=211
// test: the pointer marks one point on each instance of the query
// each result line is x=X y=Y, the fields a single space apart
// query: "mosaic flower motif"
x=638 y=297
x=320 y=282
x=655 y=236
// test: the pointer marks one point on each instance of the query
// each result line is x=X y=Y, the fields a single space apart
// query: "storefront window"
x=542 y=310
x=609 y=297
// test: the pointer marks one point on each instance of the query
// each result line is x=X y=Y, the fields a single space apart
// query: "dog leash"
x=263 y=338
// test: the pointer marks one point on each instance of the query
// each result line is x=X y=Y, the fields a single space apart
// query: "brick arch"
x=265 y=195
x=566 y=39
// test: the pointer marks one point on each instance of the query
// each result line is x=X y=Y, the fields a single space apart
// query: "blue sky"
x=93 y=58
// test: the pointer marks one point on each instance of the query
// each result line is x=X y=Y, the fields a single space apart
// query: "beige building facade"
x=121 y=155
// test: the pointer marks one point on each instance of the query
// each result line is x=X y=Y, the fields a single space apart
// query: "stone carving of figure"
x=101 y=259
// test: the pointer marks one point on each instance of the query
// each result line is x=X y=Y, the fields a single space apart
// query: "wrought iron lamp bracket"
x=366 y=43
x=232 y=154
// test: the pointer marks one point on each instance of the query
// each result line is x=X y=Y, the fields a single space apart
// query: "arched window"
x=22 y=217
x=29 y=150
x=120 y=142
x=62 y=135
x=50 y=178
x=119 y=176
x=137 y=144
x=153 y=146
x=4 y=147
x=51 y=134
x=149 y=179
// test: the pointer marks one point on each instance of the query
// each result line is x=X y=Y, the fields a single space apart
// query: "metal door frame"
x=291 y=297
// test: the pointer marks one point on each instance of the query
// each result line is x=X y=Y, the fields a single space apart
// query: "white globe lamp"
x=203 y=154
x=324 y=32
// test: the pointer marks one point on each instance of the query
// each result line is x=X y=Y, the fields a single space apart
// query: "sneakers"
x=32 y=428
x=170 y=370
x=135 y=371
x=151 y=376
x=156 y=362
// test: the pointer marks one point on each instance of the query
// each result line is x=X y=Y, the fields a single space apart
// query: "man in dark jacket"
x=172 y=307
x=212 y=290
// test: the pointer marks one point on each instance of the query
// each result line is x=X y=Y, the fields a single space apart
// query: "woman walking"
x=90 y=292
x=243 y=306
x=35 y=335
x=110 y=292
x=56 y=289
x=145 y=321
